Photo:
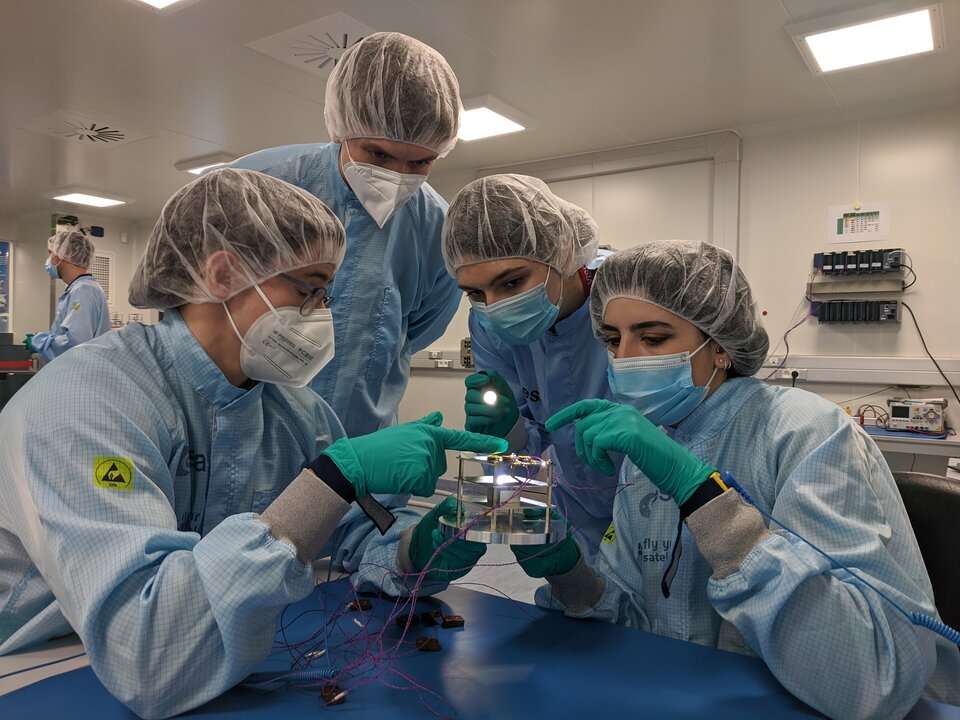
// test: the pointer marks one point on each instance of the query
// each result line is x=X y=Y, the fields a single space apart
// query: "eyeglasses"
x=317 y=296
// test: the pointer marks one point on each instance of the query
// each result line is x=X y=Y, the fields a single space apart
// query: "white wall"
x=790 y=179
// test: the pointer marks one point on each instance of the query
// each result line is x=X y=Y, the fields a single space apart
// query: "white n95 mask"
x=286 y=348
x=381 y=192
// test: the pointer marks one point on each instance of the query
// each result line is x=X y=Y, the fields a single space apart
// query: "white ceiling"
x=593 y=75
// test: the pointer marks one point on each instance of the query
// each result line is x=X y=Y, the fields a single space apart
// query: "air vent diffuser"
x=315 y=47
x=102 y=131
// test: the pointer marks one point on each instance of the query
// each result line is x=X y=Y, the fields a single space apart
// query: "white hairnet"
x=698 y=282
x=394 y=87
x=516 y=216
x=72 y=246
x=269 y=226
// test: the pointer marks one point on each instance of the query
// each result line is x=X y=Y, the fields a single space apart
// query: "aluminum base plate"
x=509 y=530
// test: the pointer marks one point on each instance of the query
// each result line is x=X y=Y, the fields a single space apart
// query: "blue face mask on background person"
x=521 y=319
x=661 y=386
x=51 y=269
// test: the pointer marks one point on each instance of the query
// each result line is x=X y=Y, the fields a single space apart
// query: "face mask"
x=661 y=386
x=284 y=347
x=51 y=269
x=521 y=319
x=380 y=191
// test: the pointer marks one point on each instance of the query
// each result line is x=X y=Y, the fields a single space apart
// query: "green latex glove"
x=404 y=458
x=28 y=342
x=456 y=560
x=497 y=419
x=604 y=427
x=539 y=561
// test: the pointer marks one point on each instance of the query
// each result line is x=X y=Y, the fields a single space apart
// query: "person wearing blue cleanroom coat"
x=685 y=338
x=82 y=311
x=392 y=108
x=173 y=511
x=525 y=259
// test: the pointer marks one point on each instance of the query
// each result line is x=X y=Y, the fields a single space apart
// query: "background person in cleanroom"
x=82 y=311
x=195 y=478
x=686 y=338
x=525 y=259
x=392 y=107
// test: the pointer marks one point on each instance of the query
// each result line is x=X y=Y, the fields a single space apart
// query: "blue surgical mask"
x=51 y=269
x=659 y=386
x=521 y=319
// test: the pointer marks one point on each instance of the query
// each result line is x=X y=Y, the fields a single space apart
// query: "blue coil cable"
x=284 y=676
x=916 y=618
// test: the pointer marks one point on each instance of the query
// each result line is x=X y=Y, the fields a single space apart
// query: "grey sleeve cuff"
x=404 y=563
x=578 y=589
x=726 y=530
x=517 y=438
x=305 y=514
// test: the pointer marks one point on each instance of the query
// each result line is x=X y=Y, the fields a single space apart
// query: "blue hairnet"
x=267 y=224
x=696 y=281
x=516 y=216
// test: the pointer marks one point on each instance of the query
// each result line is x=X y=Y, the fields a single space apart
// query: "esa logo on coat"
x=531 y=395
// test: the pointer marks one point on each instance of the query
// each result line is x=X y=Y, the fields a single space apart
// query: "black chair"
x=933 y=505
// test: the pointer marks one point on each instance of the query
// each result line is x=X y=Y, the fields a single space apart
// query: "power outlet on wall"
x=787 y=373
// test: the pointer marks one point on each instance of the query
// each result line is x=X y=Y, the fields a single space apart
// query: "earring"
x=728 y=365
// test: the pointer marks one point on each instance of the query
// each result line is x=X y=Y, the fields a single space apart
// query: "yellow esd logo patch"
x=76 y=306
x=113 y=473
x=610 y=535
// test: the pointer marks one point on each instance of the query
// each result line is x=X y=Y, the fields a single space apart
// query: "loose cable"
x=929 y=354
x=915 y=618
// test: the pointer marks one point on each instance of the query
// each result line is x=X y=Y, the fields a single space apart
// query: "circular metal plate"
x=518 y=532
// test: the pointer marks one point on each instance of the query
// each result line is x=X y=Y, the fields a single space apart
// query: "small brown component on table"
x=402 y=620
x=432 y=617
x=452 y=621
x=427 y=644
x=361 y=605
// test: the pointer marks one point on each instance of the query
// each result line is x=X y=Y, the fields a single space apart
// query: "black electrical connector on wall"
x=847 y=311
x=858 y=262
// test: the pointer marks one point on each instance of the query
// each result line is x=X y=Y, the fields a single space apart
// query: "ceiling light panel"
x=92 y=200
x=197 y=165
x=164 y=6
x=484 y=122
x=875 y=34
x=87 y=196
x=487 y=116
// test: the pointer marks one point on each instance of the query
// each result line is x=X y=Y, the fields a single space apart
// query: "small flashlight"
x=490 y=397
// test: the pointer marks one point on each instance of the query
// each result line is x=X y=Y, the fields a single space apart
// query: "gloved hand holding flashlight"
x=490 y=405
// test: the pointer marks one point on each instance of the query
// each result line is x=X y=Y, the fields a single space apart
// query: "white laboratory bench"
x=942 y=447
